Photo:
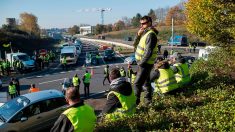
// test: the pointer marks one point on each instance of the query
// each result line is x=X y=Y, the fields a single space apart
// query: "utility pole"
x=172 y=29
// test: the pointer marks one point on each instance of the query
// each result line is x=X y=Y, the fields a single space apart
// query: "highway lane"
x=53 y=78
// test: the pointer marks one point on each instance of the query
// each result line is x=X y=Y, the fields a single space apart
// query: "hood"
x=121 y=86
x=29 y=62
x=116 y=82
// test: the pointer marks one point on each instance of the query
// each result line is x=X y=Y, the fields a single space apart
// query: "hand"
x=141 y=30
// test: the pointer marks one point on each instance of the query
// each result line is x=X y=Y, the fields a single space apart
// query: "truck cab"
x=70 y=52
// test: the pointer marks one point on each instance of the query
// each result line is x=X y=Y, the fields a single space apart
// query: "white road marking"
x=51 y=81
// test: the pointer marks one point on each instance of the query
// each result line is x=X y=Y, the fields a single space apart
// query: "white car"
x=131 y=60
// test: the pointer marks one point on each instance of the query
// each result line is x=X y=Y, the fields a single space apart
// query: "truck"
x=29 y=64
x=70 y=52
x=178 y=41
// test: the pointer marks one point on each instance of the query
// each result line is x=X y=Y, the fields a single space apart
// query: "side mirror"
x=23 y=119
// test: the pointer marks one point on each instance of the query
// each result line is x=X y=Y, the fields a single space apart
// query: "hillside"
x=164 y=33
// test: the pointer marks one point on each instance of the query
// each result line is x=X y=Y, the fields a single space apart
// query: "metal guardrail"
x=108 y=42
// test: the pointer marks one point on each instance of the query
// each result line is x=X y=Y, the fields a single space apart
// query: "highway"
x=54 y=76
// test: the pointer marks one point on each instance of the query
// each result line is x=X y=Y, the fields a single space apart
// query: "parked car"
x=109 y=54
x=90 y=58
x=131 y=60
x=32 y=112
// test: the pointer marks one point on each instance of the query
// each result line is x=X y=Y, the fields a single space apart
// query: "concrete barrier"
x=108 y=42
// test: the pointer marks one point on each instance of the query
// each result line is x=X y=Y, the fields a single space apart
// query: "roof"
x=44 y=94
x=17 y=53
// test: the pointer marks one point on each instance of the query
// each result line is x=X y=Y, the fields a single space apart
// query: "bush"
x=207 y=105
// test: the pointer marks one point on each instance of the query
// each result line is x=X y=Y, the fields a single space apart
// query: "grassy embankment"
x=206 y=105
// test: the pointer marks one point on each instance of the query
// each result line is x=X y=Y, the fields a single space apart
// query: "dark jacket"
x=151 y=42
x=121 y=86
x=63 y=124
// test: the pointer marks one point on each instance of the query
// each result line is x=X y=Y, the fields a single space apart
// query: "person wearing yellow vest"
x=12 y=90
x=121 y=100
x=133 y=77
x=79 y=117
x=64 y=63
x=164 y=79
x=145 y=54
x=129 y=73
x=76 y=81
x=122 y=72
x=181 y=70
x=33 y=89
x=86 y=81
x=106 y=74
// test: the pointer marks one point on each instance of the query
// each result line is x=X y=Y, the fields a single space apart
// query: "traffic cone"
x=92 y=72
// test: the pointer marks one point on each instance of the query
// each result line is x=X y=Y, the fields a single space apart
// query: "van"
x=70 y=52
x=178 y=41
x=204 y=53
x=27 y=62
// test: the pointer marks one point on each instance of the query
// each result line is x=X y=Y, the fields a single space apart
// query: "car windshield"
x=23 y=57
x=11 y=107
x=71 y=55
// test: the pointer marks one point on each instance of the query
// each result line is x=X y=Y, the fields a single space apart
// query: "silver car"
x=32 y=112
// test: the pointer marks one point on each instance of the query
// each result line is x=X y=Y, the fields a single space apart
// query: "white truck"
x=70 y=52
x=28 y=63
x=203 y=53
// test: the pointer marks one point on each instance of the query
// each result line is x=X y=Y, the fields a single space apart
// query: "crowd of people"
x=168 y=77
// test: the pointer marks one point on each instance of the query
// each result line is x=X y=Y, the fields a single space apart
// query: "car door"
x=28 y=119
x=54 y=107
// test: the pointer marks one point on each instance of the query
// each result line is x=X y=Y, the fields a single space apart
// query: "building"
x=87 y=30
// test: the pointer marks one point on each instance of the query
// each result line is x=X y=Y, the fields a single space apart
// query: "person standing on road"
x=86 y=81
x=17 y=85
x=12 y=90
x=165 y=54
x=64 y=63
x=79 y=117
x=145 y=54
x=106 y=74
x=121 y=100
x=129 y=73
x=33 y=89
x=122 y=72
x=76 y=81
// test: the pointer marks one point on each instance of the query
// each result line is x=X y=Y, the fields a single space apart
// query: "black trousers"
x=105 y=79
x=143 y=79
x=13 y=96
x=86 y=89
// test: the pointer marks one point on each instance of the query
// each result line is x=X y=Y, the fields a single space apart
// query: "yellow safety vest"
x=133 y=77
x=87 y=78
x=128 y=106
x=83 y=118
x=166 y=81
x=183 y=76
x=122 y=72
x=12 y=89
x=75 y=81
x=142 y=47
